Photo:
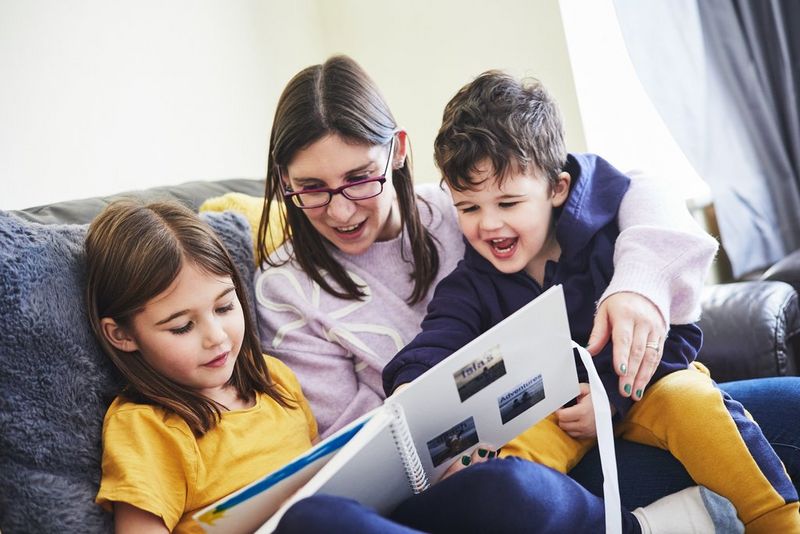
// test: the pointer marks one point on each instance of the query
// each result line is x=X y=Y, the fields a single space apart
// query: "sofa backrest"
x=55 y=382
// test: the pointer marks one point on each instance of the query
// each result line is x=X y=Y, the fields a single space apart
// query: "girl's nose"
x=214 y=334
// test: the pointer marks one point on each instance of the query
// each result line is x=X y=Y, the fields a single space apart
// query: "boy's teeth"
x=503 y=244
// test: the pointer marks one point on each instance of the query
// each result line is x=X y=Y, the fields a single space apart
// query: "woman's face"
x=351 y=225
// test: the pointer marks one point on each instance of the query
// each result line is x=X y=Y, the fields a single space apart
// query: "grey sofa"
x=55 y=383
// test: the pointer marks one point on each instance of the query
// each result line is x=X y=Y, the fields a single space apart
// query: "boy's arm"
x=454 y=319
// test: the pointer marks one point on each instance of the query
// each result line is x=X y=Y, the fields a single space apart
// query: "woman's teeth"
x=346 y=229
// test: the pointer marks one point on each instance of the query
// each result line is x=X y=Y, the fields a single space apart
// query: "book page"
x=368 y=469
x=246 y=509
x=495 y=387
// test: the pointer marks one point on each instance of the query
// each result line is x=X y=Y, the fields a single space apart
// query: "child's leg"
x=545 y=443
x=508 y=495
x=720 y=446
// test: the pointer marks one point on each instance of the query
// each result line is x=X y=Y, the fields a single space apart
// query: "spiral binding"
x=417 y=478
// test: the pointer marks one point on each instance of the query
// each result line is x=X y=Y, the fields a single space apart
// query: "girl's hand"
x=578 y=420
x=637 y=331
x=481 y=454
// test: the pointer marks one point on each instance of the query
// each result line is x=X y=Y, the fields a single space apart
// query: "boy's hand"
x=578 y=420
x=481 y=454
x=637 y=332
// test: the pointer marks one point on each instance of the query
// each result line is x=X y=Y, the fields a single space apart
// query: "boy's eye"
x=183 y=329
x=226 y=308
x=508 y=204
x=469 y=209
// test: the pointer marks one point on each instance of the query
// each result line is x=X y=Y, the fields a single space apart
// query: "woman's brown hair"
x=134 y=252
x=336 y=97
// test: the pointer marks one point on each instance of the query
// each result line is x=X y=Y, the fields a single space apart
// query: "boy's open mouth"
x=503 y=246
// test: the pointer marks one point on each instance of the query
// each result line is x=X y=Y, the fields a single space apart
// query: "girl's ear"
x=117 y=335
x=400 y=149
x=561 y=189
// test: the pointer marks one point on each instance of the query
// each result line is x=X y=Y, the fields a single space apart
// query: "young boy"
x=534 y=216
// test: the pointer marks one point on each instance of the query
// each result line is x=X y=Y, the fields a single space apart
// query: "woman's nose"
x=340 y=208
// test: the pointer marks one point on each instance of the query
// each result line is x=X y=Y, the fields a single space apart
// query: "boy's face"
x=512 y=226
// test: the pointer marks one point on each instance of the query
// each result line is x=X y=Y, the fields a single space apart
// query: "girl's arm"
x=129 y=519
x=661 y=260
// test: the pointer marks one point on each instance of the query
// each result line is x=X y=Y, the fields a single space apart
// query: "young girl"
x=204 y=413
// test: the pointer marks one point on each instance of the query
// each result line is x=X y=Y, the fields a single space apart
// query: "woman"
x=364 y=249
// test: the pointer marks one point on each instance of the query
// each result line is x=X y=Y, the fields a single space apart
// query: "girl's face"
x=351 y=225
x=190 y=333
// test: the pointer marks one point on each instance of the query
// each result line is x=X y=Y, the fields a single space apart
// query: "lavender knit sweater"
x=337 y=348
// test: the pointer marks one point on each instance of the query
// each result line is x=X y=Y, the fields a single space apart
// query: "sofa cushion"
x=55 y=383
x=190 y=194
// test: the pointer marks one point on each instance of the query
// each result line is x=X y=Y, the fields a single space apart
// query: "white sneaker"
x=695 y=510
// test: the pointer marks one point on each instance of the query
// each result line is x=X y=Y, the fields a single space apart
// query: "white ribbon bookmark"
x=605 y=442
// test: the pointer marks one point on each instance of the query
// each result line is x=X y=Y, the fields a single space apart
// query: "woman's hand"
x=481 y=454
x=578 y=420
x=637 y=332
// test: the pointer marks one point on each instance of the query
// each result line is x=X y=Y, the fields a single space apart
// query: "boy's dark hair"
x=509 y=122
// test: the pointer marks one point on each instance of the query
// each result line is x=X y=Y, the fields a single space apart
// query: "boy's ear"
x=561 y=189
x=117 y=335
x=400 y=149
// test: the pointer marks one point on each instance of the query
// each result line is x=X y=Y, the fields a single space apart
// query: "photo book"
x=489 y=391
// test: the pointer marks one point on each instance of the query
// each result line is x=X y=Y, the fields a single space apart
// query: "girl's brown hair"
x=134 y=251
x=339 y=98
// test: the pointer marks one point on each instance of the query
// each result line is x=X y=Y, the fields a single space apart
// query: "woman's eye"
x=226 y=308
x=183 y=329
x=356 y=179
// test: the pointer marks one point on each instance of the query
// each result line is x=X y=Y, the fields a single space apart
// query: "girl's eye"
x=226 y=308
x=183 y=329
x=508 y=204
x=469 y=209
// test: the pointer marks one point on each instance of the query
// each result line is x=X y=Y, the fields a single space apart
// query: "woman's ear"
x=117 y=335
x=561 y=188
x=400 y=149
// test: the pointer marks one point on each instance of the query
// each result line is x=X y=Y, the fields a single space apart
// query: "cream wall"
x=99 y=97
x=420 y=52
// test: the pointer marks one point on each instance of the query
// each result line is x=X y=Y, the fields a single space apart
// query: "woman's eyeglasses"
x=361 y=190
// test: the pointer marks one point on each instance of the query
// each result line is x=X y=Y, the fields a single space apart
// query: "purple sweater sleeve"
x=661 y=252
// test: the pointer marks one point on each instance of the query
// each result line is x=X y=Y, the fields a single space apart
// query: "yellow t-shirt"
x=152 y=460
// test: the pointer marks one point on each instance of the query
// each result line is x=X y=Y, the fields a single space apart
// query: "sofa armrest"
x=786 y=270
x=747 y=330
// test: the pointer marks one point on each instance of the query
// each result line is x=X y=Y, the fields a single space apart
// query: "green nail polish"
x=466 y=460
x=639 y=393
x=627 y=389
x=482 y=453
x=623 y=369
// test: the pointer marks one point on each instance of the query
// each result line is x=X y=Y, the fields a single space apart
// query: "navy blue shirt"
x=476 y=296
